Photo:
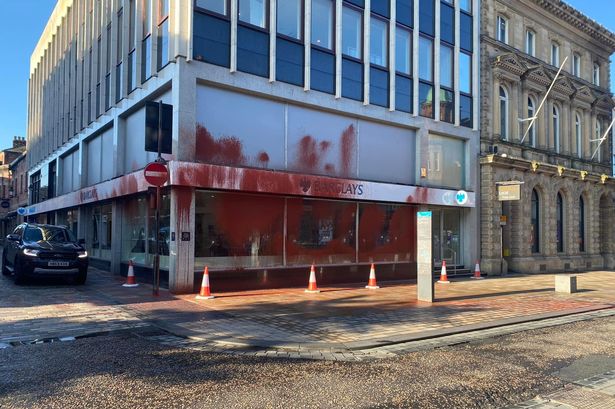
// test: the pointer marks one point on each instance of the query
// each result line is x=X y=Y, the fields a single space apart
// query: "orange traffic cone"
x=371 y=284
x=130 y=278
x=205 y=293
x=312 y=287
x=476 y=275
x=443 y=278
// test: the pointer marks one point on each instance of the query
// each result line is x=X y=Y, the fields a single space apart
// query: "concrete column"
x=456 y=65
x=117 y=210
x=392 y=70
x=587 y=133
x=272 y=38
x=307 y=32
x=338 y=49
x=496 y=106
x=183 y=96
x=181 y=258
x=415 y=62
x=366 y=56
x=436 y=65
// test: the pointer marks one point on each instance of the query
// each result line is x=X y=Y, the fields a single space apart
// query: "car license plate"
x=58 y=264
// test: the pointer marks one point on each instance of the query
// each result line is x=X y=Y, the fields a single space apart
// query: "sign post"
x=157 y=174
x=424 y=262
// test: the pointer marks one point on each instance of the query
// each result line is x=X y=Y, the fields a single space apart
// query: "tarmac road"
x=124 y=370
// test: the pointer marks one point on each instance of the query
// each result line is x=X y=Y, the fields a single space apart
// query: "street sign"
x=156 y=174
x=509 y=192
x=21 y=211
x=158 y=118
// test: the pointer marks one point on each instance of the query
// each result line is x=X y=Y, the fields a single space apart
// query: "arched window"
x=531 y=111
x=560 y=223
x=578 y=131
x=503 y=113
x=581 y=224
x=596 y=144
x=556 y=128
x=535 y=222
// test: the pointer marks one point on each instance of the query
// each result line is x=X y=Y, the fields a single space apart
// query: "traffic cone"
x=130 y=278
x=371 y=284
x=312 y=287
x=205 y=293
x=443 y=278
x=476 y=275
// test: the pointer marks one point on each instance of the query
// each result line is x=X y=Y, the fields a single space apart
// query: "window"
x=146 y=43
x=352 y=32
x=426 y=59
x=380 y=7
x=465 y=32
x=446 y=66
x=576 y=65
x=560 y=223
x=403 y=51
x=502 y=29
x=289 y=18
x=596 y=151
x=118 y=68
x=426 y=17
x=555 y=54
x=163 y=33
x=253 y=12
x=217 y=6
x=535 y=223
x=322 y=23
x=132 y=55
x=578 y=130
x=503 y=113
x=378 y=45
x=596 y=76
x=426 y=99
x=531 y=111
x=405 y=14
x=465 y=5
x=530 y=42
x=447 y=23
x=465 y=111
x=556 y=129
x=581 y=224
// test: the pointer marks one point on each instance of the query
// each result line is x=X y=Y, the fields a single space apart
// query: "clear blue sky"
x=25 y=20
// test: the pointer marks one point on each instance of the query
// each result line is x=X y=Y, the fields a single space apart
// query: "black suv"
x=44 y=250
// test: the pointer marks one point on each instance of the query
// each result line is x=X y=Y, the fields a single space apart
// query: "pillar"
x=181 y=250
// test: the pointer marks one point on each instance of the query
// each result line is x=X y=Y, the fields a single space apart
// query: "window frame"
x=532 y=131
x=504 y=116
x=498 y=29
x=227 y=7
x=555 y=118
x=301 y=38
x=387 y=23
x=530 y=42
x=334 y=18
x=555 y=60
x=409 y=30
x=267 y=12
x=362 y=39
x=576 y=64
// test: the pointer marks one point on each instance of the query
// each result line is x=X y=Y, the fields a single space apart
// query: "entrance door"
x=446 y=231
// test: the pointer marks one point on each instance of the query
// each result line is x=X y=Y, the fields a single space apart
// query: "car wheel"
x=81 y=277
x=5 y=271
x=20 y=276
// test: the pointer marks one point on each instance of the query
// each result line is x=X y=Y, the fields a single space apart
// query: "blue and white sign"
x=21 y=211
x=461 y=197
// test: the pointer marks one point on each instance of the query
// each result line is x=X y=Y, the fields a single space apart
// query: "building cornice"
x=580 y=21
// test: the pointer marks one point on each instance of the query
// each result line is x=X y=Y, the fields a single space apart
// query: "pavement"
x=339 y=323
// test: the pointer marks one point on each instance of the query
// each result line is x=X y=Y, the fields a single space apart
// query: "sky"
x=25 y=20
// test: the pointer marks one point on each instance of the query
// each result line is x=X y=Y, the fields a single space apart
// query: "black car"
x=44 y=250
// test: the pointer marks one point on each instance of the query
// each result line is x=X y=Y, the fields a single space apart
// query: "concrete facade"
x=95 y=167
x=561 y=155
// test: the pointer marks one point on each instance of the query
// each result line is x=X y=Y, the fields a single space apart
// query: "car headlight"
x=82 y=254
x=30 y=252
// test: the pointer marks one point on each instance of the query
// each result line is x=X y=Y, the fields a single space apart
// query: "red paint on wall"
x=348 y=150
x=227 y=150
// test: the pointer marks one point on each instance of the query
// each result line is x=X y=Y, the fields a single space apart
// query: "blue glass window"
x=403 y=93
x=465 y=111
x=426 y=100
x=405 y=13
x=379 y=87
x=252 y=51
x=380 y=7
x=289 y=61
x=352 y=79
x=447 y=23
x=426 y=17
x=322 y=72
x=212 y=39
x=465 y=32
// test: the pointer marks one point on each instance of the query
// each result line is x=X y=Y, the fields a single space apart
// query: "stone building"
x=563 y=220
x=7 y=156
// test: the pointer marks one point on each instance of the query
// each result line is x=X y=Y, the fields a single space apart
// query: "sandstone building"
x=563 y=220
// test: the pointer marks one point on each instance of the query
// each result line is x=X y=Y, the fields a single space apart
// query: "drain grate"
x=583 y=398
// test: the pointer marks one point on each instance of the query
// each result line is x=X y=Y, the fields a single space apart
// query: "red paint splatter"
x=227 y=150
x=330 y=168
x=324 y=145
x=348 y=150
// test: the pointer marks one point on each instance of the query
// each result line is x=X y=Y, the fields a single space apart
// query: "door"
x=446 y=230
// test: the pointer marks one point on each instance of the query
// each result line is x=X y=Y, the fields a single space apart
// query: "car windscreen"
x=49 y=233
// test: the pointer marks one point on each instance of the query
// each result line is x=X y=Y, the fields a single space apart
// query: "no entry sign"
x=156 y=174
